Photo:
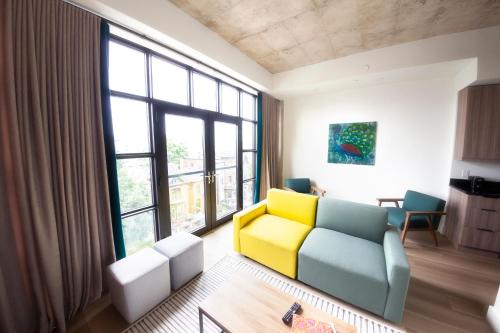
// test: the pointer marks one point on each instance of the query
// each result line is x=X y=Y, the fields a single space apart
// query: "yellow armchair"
x=272 y=231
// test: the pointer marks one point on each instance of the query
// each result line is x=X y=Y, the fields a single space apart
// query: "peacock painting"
x=352 y=143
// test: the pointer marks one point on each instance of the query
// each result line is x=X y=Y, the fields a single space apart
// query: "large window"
x=132 y=129
x=141 y=75
x=249 y=143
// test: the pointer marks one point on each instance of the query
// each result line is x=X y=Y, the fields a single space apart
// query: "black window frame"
x=253 y=150
x=159 y=227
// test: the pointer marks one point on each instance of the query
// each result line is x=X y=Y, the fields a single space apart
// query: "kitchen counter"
x=491 y=189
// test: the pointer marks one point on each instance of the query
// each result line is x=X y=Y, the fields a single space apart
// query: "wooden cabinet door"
x=478 y=123
x=457 y=215
x=461 y=121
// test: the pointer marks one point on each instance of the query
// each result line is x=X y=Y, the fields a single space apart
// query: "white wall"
x=414 y=138
x=488 y=170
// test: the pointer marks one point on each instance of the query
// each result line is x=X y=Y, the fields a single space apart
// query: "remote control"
x=287 y=318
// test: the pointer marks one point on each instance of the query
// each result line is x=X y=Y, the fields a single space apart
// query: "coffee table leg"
x=200 y=315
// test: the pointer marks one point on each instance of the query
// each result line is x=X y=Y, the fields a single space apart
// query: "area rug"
x=179 y=312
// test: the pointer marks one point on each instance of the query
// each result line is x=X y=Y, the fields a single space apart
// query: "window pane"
x=205 y=92
x=229 y=100
x=226 y=152
x=127 y=69
x=248 y=189
x=170 y=81
x=247 y=106
x=138 y=231
x=248 y=165
x=187 y=202
x=226 y=144
x=248 y=135
x=225 y=191
x=130 y=125
x=185 y=144
x=134 y=180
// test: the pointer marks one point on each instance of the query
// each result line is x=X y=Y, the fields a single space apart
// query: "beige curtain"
x=55 y=237
x=272 y=145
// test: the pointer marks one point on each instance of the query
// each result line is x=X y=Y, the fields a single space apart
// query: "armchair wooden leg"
x=405 y=230
x=431 y=229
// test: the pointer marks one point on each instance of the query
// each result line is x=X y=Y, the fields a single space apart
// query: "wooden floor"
x=449 y=290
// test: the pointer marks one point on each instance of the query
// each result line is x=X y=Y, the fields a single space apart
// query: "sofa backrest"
x=355 y=219
x=294 y=206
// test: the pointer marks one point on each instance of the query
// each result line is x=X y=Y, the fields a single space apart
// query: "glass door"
x=184 y=188
x=185 y=141
x=199 y=170
x=225 y=171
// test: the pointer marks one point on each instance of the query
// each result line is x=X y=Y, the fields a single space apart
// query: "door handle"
x=213 y=176
x=209 y=177
x=488 y=210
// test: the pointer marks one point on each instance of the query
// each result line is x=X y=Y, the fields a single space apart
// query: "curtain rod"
x=142 y=35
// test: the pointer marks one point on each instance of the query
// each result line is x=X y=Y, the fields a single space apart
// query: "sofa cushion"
x=274 y=241
x=397 y=218
x=347 y=267
x=294 y=206
x=355 y=219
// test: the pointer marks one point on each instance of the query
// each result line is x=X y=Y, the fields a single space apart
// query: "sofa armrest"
x=242 y=218
x=398 y=275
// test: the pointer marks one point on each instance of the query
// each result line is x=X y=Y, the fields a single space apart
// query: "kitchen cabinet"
x=473 y=221
x=478 y=123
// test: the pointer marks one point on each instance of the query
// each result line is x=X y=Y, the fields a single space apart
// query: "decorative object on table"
x=352 y=143
x=301 y=324
x=420 y=212
x=288 y=317
x=303 y=185
x=179 y=312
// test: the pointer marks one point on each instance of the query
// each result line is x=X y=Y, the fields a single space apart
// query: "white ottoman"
x=139 y=282
x=185 y=253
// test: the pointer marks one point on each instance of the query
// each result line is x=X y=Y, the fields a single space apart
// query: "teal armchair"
x=420 y=212
x=303 y=185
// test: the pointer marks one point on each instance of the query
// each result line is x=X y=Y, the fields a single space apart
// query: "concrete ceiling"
x=285 y=34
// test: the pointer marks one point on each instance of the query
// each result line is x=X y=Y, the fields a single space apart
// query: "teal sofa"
x=353 y=254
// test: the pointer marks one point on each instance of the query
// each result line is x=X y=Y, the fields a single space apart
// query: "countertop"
x=491 y=189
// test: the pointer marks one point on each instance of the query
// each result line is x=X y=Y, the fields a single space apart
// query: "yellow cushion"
x=294 y=206
x=274 y=241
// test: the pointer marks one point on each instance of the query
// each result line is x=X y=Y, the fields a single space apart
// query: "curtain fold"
x=258 y=170
x=53 y=173
x=271 y=165
x=114 y=192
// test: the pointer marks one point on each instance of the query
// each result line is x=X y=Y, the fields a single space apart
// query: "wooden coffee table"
x=246 y=304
